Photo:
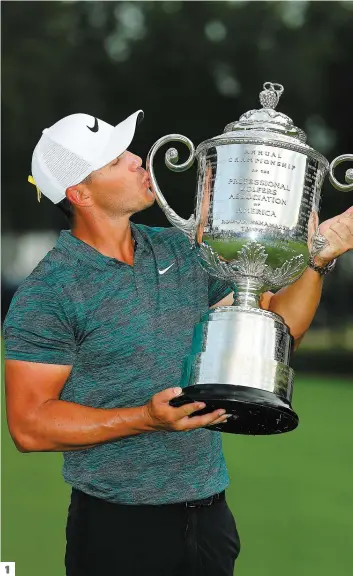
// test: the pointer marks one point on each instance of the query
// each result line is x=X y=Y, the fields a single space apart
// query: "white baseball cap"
x=75 y=146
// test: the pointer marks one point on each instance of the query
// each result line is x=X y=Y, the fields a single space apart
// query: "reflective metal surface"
x=239 y=347
x=253 y=208
x=348 y=176
x=258 y=192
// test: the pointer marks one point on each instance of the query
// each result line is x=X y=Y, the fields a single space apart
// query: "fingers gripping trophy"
x=258 y=193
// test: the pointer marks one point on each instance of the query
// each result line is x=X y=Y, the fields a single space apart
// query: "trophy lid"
x=267 y=119
x=265 y=126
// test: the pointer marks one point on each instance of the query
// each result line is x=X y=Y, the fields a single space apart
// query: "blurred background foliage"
x=193 y=67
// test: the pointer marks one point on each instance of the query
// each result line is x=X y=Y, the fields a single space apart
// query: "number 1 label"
x=7 y=568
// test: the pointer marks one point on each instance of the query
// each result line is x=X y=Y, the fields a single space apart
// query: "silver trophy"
x=258 y=191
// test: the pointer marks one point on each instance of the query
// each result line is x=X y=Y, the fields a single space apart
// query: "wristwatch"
x=322 y=270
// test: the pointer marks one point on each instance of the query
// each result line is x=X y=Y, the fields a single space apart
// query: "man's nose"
x=136 y=162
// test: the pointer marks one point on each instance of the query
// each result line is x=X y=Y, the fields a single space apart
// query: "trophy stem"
x=247 y=293
x=247 y=299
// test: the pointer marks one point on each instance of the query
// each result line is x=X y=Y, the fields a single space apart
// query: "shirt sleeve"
x=218 y=289
x=36 y=327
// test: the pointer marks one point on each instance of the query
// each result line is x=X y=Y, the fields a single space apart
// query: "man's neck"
x=111 y=238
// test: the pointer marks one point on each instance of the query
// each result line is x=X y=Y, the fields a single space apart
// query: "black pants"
x=169 y=540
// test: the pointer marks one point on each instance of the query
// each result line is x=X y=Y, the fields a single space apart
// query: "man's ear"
x=78 y=195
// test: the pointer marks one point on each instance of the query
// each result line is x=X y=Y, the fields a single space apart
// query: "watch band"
x=322 y=270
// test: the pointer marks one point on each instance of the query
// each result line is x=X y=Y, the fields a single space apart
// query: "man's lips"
x=146 y=182
x=146 y=179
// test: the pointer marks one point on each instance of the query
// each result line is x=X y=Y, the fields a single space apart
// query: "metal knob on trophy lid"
x=258 y=188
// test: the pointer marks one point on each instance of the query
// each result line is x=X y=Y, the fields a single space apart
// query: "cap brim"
x=120 y=139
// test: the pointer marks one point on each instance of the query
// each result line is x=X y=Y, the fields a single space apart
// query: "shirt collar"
x=80 y=250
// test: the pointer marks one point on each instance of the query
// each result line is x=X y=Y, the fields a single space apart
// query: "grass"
x=291 y=494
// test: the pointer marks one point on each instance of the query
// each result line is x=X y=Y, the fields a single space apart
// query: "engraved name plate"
x=256 y=186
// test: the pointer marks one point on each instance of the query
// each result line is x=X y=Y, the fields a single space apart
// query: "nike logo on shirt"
x=165 y=269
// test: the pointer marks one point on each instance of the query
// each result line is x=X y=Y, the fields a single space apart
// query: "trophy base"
x=239 y=361
x=253 y=411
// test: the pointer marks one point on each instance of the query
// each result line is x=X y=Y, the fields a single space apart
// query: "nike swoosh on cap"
x=95 y=127
x=165 y=269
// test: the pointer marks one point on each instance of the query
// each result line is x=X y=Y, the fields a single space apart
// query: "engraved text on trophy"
x=258 y=186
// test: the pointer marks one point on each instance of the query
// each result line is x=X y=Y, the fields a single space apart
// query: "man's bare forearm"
x=59 y=426
x=297 y=303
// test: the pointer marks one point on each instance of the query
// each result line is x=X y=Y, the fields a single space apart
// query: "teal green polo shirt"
x=125 y=330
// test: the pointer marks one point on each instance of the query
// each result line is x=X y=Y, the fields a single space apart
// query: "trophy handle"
x=171 y=159
x=348 y=176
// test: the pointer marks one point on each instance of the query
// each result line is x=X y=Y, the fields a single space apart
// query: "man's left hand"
x=338 y=233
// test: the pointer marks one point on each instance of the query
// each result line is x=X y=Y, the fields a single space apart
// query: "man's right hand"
x=39 y=421
x=161 y=416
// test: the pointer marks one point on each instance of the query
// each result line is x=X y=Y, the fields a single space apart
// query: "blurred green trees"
x=192 y=66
